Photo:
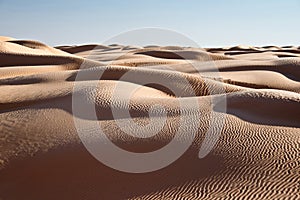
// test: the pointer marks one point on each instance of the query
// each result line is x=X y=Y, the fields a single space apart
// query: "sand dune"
x=256 y=156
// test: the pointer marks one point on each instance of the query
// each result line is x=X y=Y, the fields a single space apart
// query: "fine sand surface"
x=256 y=157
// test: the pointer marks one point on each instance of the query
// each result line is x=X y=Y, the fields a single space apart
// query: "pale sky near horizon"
x=208 y=23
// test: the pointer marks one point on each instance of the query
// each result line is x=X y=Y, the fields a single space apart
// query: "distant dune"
x=256 y=156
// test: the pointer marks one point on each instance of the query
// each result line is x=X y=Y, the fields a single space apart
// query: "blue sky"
x=209 y=23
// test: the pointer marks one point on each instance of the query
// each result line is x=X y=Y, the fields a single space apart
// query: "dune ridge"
x=256 y=156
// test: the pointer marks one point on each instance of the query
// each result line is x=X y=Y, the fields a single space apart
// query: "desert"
x=256 y=155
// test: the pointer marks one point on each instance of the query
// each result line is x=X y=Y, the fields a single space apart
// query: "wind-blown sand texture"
x=256 y=156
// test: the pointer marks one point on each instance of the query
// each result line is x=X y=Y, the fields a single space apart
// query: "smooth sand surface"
x=256 y=156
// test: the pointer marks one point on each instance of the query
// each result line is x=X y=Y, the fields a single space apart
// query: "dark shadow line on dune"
x=285 y=70
x=11 y=60
x=271 y=112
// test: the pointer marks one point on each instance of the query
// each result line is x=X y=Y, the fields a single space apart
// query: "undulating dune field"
x=256 y=156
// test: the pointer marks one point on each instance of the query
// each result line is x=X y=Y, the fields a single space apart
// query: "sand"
x=256 y=156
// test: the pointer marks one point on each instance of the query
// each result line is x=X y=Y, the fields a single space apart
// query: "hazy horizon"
x=209 y=24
